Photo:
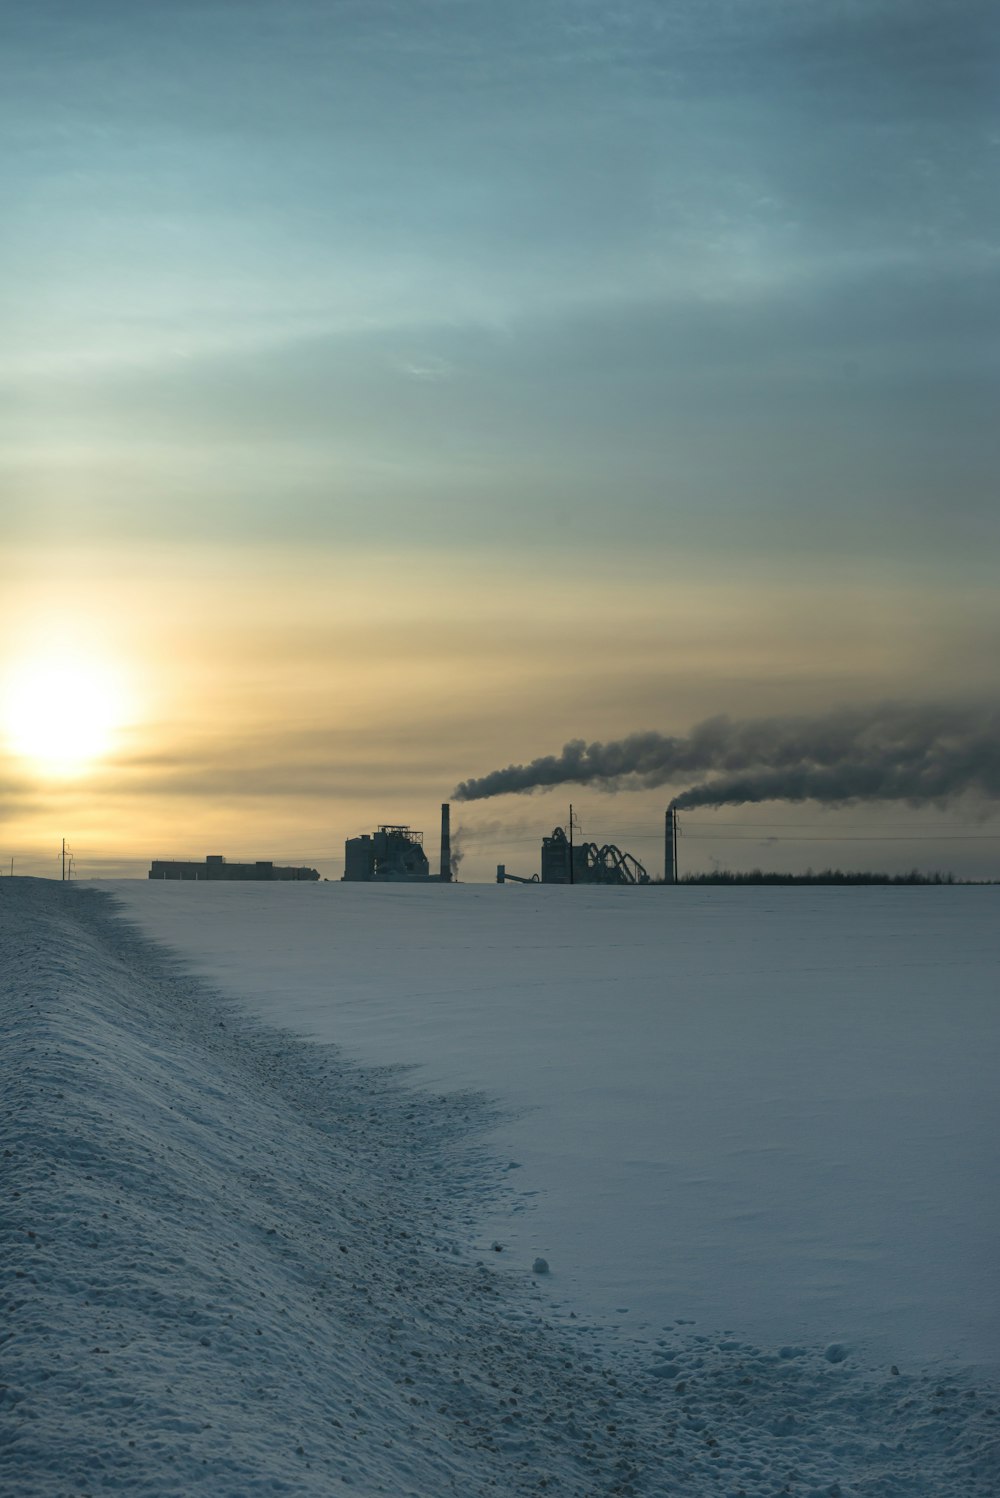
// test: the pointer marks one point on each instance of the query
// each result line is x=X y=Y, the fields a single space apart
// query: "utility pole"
x=572 y=870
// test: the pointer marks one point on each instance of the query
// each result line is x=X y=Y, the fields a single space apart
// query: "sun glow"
x=63 y=712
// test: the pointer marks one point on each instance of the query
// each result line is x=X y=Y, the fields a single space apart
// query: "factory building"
x=564 y=862
x=586 y=863
x=395 y=853
x=216 y=867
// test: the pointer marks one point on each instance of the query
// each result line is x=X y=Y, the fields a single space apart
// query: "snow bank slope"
x=228 y=1269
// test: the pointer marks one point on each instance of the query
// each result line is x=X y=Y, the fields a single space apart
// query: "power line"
x=470 y=835
x=889 y=837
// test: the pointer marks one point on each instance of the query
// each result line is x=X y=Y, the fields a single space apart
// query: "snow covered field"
x=770 y=1111
x=235 y=1262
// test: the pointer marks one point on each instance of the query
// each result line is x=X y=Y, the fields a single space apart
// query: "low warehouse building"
x=216 y=867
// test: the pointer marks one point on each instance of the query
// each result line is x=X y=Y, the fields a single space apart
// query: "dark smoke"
x=889 y=752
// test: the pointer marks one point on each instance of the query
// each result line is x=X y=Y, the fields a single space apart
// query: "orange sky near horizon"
x=278 y=700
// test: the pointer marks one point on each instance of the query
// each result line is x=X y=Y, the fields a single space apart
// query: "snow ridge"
x=233 y=1264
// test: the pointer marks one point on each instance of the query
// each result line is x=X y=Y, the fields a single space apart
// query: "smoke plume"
x=888 y=752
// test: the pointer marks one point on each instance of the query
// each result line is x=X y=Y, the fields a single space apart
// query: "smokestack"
x=670 y=845
x=445 y=843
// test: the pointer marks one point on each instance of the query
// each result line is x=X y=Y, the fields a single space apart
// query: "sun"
x=63 y=711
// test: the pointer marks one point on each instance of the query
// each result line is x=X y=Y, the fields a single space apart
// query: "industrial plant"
x=216 y=867
x=566 y=862
x=395 y=854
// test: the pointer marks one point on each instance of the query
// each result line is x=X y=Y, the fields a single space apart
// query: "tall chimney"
x=445 y=843
x=670 y=846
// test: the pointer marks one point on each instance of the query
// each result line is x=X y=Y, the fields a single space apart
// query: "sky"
x=394 y=391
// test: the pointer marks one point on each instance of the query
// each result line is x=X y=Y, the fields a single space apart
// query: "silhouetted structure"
x=445 y=865
x=586 y=863
x=216 y=867
x=670 y=846
x=395 y=853
x=504 y=878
